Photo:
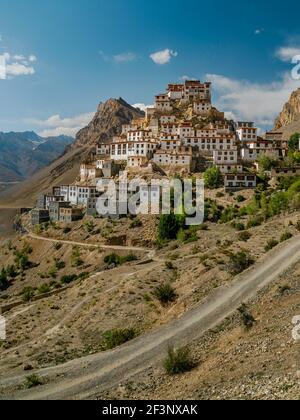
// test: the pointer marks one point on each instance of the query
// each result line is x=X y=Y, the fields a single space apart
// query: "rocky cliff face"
x=107 y=122
x=290 y=113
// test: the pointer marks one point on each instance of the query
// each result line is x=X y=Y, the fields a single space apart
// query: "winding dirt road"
x=85 y=378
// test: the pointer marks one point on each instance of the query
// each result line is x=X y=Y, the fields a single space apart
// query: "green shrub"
x=244 y=236
x=254 y=222
x=115 y=259
x=238 y=226
x=11 y=271
x=240 y=262
x=57 y=246
x=178 y=361
x=44 y=288
x=27 y=293
x=67 y=230
x=60 y=265
x=165 y=294
x=286 y=236
x=272 y=243
x=32 y=381
x=169 y=226
x=247 y=318
x=212 y=177
x=89 y=226
x=117 y=337
x=68 y=279
x=76 y=258
x=240 y=199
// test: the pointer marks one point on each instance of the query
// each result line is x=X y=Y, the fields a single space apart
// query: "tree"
x=169 y=226
x=212 y=177
x=266 y=163
x=294 y=142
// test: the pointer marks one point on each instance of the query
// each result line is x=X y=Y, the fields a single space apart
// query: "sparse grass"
x=272 y=243
x=286 y=236
x=244 y=236
x=115 y=259
x=32 y=381
x=178 y=361
x=117 y=337
x=239 y=262
x=165 y=293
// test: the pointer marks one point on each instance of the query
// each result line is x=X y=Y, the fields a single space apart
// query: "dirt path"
x=87 y=245
x=85 y=378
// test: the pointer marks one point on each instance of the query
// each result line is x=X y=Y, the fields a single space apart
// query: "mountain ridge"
x=22 y=154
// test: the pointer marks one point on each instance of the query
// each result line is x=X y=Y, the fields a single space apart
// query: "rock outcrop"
x=288 y=120
x=107 y=122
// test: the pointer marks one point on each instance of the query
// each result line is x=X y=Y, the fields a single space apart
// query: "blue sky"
x=63 y=57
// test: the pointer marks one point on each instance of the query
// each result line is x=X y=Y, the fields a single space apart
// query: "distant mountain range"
x=23 y=154
x=106 y=123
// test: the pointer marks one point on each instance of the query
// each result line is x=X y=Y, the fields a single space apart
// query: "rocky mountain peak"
x=290 y=113
x=107 y=122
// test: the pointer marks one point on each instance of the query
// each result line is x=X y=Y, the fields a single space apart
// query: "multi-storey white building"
x=202 y=107
x=246 y=131
x=167 y=119
x=186 y=130
x=181 y=156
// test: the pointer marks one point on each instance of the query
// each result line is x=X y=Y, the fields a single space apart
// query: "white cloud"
x=287 y=53
x=124 y=57
x=56 y=125
x=163 y=57
x=249 y=101
x=143 y=107
x=32 y=58
x=258 y=31
x=19 y=69
x=185 y=78
x=18 y=65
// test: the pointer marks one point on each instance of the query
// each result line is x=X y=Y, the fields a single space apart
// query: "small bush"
x=67 y=230
x=115 y=259
x=254 y=222
x=165 y=294
x=27 y=293
x=76 y=258
x=282 y=290
x=68 y=279
x=32 y=381
x=247 y=317
x=60 y=265
x=44 y=288
x=169 y=265
x=240 y=199
x=178 y=361
x=238 y=226
x=272 y=243
x=286 y=236
x=244 y=236
x=57 y=246
x=115 y=338
x=240 y=262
